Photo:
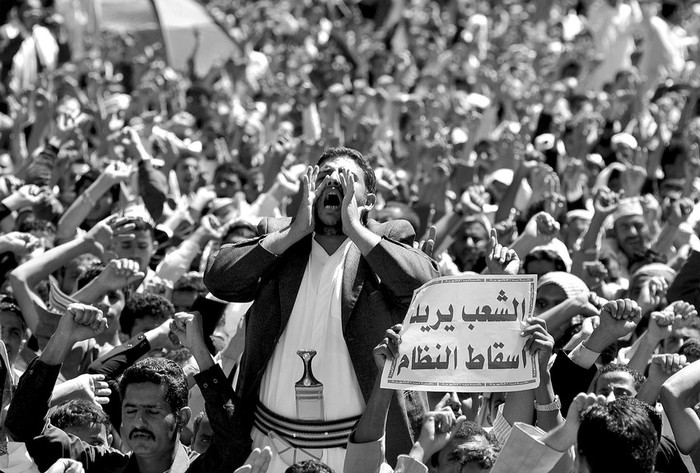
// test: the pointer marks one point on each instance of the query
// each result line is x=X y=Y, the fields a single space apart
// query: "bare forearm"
x=372 y=424
x=36 y=269
x=202 y=356
x=590 y=239
x=509 y=197
x=559 y=317
x=56 y=349
x=641 y=352
x=80 y=209
x=544 y=394
x=664 y=243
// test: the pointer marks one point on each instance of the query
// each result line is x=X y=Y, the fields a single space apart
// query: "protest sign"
x=463 y=334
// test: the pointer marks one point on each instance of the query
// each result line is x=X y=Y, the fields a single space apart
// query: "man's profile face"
x=632 y=234
x=140 y=249
x=12 y=330
x=328 y=206
x=615 y=384
x=149 y=425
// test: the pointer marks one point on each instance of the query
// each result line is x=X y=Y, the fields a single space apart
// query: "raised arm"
x=679 y=394
x=26 y=276
x=25 y=418
x=113 y=174
x=217 y=392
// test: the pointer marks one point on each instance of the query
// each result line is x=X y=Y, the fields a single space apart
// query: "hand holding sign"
x=540 y=342
x=388 y=348
x=501 y=259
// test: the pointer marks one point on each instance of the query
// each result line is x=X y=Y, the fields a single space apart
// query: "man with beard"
x=630 y=240
x=327 y=283
x=154 y=395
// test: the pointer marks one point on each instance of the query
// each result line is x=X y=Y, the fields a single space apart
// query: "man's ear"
x=183 y=417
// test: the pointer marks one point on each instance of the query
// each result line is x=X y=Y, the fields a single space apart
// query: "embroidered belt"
x=304 y=433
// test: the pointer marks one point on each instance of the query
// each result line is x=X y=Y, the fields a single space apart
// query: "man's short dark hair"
x=141 y=225
x=78 y=413
x=639 y=378
x=619 y=436
x=143 y=305
x=691 y=349
x=10 y=304
x=162 y=372
x=361 y=161
x=485 y=457
x=309 y=466
x=231 y=168
x=90 y=273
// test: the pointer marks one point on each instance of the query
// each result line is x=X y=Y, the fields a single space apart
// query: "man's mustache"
x=141 y=431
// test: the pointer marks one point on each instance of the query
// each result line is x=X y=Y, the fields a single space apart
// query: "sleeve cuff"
x=213 y=377
x=265 y=249
x=525 y=452
x=582 y=356
x=406 y=464
x=501 y=427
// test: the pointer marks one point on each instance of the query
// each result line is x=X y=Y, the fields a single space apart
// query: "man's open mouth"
x=332 y=200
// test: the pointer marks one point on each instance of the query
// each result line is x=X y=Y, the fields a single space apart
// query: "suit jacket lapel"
x=290 y=277
x=353 y=279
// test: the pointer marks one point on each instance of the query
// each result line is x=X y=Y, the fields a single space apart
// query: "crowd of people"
x=208 y=272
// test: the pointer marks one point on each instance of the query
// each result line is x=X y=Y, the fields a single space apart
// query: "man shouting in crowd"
x=327 y=283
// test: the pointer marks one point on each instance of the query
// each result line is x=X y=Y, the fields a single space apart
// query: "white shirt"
x=315 y=323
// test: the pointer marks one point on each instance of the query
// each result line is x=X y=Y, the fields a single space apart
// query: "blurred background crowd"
x=571 y=127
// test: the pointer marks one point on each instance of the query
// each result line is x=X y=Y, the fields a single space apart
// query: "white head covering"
x=624 y=139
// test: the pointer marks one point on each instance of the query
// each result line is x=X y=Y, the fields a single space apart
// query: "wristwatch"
x=552 y=406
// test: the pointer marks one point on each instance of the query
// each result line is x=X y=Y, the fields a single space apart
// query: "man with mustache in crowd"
x=629 y=242
x=154 y=395
x=331 y=280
